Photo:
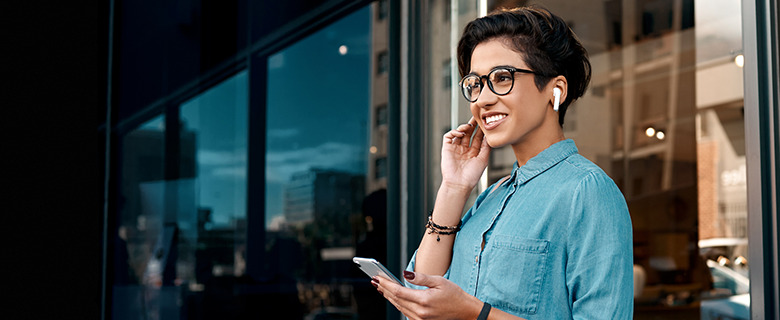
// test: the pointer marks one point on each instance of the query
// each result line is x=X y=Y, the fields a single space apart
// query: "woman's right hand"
x=463 y=161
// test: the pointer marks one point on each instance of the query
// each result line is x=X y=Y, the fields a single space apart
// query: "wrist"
x=475 y=308
x=450 y=189
x=448 y=208
x=484 y=311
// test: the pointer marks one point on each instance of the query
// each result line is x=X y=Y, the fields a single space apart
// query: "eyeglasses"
x=500 y=81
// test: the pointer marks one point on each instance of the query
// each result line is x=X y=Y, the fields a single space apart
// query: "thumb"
x=421 y=279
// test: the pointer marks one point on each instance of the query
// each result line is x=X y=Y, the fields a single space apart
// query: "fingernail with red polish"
x=375 y=283
x=409 y=275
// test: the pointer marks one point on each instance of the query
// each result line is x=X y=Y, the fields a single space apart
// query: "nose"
x=486 y=98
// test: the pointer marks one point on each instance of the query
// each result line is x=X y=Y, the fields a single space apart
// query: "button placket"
x=481 y=247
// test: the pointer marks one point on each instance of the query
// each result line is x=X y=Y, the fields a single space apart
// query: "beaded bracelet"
x=439 y=230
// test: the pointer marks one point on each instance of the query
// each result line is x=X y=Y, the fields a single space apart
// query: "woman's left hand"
x=442 y=300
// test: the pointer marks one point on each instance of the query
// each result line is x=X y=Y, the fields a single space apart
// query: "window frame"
x=762 y=146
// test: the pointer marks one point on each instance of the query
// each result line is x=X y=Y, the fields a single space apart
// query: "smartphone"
x=373 y=268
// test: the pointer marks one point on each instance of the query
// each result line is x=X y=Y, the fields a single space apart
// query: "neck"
x=537 y=142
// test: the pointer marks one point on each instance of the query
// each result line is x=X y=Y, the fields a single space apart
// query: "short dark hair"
x=545 y=41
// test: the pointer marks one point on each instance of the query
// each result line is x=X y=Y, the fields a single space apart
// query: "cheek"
x=474 y=111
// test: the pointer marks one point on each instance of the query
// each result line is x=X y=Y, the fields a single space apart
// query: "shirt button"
x=476 y=259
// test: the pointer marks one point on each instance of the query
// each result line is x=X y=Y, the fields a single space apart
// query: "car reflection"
x=729 y=299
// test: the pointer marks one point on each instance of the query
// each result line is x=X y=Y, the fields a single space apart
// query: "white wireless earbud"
x=557 y=94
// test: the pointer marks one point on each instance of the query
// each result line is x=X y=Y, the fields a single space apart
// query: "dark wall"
x=161 y=46
x=54 y=84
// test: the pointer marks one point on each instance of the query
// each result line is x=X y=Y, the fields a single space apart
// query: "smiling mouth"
x=494 y=118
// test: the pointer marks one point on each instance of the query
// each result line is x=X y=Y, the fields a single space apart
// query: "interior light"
x=739 y=60
x=372 y=149
x=650 y=131
x=343 y=50
x=660 y=135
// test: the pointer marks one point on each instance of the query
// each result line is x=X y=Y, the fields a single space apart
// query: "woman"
x=553 y=239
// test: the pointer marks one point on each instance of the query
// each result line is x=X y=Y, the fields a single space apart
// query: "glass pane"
x=215 y=124
x=139 y=220
x=213 y=171
x=663 y=117
x=446 y=106
x=326 y=169
x=181 y=224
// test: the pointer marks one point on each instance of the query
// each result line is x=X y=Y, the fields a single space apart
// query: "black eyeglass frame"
x=512 y=71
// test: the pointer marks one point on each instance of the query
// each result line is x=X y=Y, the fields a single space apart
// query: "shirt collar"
x=544 y=160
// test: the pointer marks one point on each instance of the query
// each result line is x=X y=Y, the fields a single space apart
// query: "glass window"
x=382 y=62
x=446 y=106
x=140 y=219
x=214 y=139
x=381 y=168
x=381 y=115
x=663 y=117
x=323 y=203
x=183 y=204
x=382 y=9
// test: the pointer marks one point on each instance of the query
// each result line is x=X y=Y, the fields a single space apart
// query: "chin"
x=494 y=143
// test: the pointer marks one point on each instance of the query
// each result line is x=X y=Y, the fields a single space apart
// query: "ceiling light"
x=739 y=60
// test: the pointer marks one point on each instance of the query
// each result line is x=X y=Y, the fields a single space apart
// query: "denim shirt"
x=558 y=242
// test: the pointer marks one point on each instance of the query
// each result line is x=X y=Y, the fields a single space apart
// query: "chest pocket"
x=513 y=272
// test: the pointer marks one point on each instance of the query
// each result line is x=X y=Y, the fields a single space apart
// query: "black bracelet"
x=439 y=230
x=485 y=311
x=455 y=228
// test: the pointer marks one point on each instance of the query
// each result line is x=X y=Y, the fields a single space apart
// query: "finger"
x=403 y=298
x=455 y=133
x=469 y=126
x=467 y=131
x=452 y=137
x=463 y=134
x=465 y=127
x=401 y=306
x=400 y=293
x=450 y=140
x=421 y=279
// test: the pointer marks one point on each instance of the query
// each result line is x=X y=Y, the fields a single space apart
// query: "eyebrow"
x=503 y=66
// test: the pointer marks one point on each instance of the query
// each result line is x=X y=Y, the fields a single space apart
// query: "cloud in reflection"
x=281 y=165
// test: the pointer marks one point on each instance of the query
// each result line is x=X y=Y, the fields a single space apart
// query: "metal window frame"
x=762 y=138
x=415 y=121
x=396 y=190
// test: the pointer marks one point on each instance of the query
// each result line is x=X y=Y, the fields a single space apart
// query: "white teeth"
x=495 y=118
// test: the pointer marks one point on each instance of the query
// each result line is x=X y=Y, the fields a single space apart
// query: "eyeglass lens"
x=500 y=82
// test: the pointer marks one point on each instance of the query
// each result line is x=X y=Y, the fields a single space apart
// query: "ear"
x=557 y=97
